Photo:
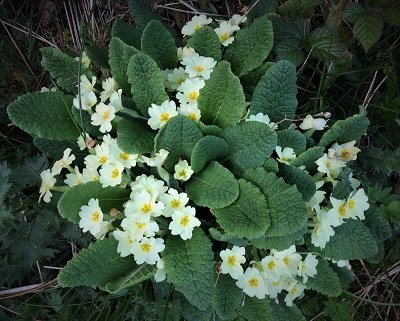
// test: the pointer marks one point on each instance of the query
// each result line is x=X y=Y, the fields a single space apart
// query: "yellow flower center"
x=342 y=210
x=193 y=95
x=146 y=247
x=271 y=265
x=164 y=117
x=253 y=282
x=115 y=173
x=276 y=283
x=180 y=81
x=102 y=159
x=328 y=165
x=96 y=216
x=175 y=203
x=351 y=203
x=345 y=153
x=182 y=173
x=105 y=115
x=130 y=241
x=199 y=68
x=192 y=116
x=184 y=221
x=286 y=260
x=231 y=260
x=124 y=156
x=140 y=225
x=293 y=290
x=146 y=208
x=224 y=36
x=197 y=27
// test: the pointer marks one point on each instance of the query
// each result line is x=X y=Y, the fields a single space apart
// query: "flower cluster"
x=281 y=270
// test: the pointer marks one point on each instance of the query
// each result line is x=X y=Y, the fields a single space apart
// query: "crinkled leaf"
x=135 y=137
x=292 y=138
x=251 y=79
x=281 y=312
x=158 y=43
x=222 y=100
x=248 y=216
x=83 y=120
x=119 y=55
x=339 y=310
x=308 y=158
x=303 y=181
x=386 y=161
x=250 y=144
x=326 y=281
x=189 y=266
x=178 y=136
x=226 y=237
x=275 y=94
x=377 y=224
x=98 y=56
x=206 y=43
x=324 y=43
x=63 y=68
x=46 y=115
x=96 y=265
x=207 y=149
x=214 y=187
x=227 y=297
x=255 y=309
x=55 y=148
x=346 y=130
x=343 y=188
x=147 y=82
x=127 y=33
x=251 y=46
x=209 y=129
x=141 y=13
x=279 y=243
x=282 y=200
x=74 y=198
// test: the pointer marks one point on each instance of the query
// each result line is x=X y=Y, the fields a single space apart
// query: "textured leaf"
x=275 y=94
x=207 y=149
x=293 y=8
x=391 y=13
x=63 y=68
x=178 y=136
x=352 y=241
x=135 y=137
x=158 y=43
x=191 y=313
x=85 y=122
x=251 y=46
x=119 y=55
x=260 y=8
x=209 y=129
x=225 y=237
x=189 y=266
x=98 y=56
x=227 y=297
x=377 y=224
x=96 y=265
x=139 y=274
x=308 y=158
x=55 y=148
x=251 y=79
x=303 y=181
x=45 y=115
x=324 y=43
x=255 y=309
x=127 y=33
x=281 y=312
x=339 y=311
x=222 y=100
x=206 y=43
x=250 y=144
x=288 y=211
x=146 y=81
x=141 y=13
x=271 y=165
x=248 y=216
x=279 y=243
x=214 y=187
x=326 y=281
x=292 y=138
x=386 y=161
x=71 y=201
x=368 y=24
x=345 y=130
x=343 y=188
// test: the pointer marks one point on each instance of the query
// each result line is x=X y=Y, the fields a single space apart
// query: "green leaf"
x=339 y=310
x=147 y=82
x=260 y=8
x=248 y=216
x=138 y=275
x=96 y=265
x=288 y=211
x=279 y=243
x=127 y=33
x=178 y=136
x=303 y=181
x=324 y=43
x=391 y=12
x=251 y=46
x=345 y=130
x=255 y=309
x=343 y=188
x=227 y=297
x=135 y=137
x=119 y=55
x=226 y=237
x=206 y=43
x=281 y=312
x=209 y=129
x=377 y=223
x=326 y=281
x=141 y=13
x=85 y=122
x=191 y=313
x=63 y=68
x=275 y=94
x=98 y=56
x=292 y=138
x=251 y=79
x=271 y=165
x=46 y=115
x=250 y=144
x=207 y=149
x=222 y=100
x=352 y=241
x=73 y=199
x=214 y=187
x=189 y=266
x=386 y=161
x=55 y=148
x=308 y=158
x=368 y=24
x=158 y=43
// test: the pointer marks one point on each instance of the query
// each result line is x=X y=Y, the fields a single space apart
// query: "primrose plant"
x=189 y=166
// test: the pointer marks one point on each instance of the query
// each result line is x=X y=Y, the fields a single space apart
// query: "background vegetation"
x=347 y=53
